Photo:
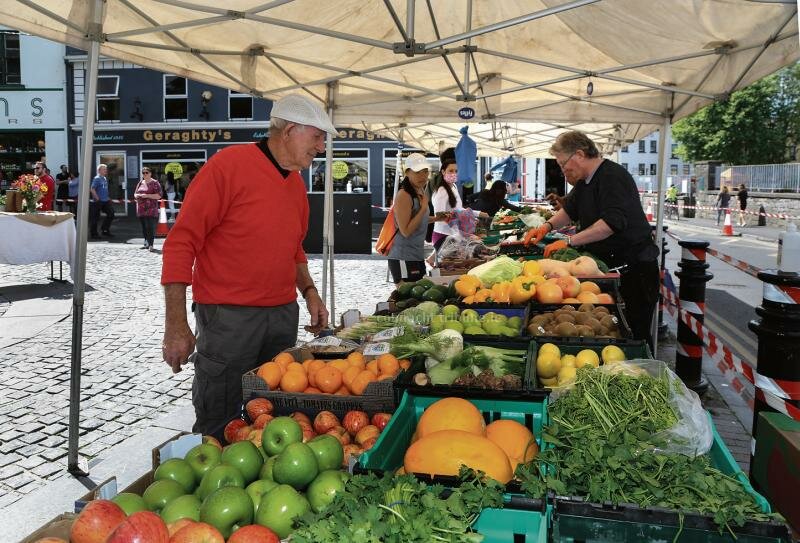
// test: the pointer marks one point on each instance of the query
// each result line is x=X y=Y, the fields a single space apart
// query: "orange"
x=294 y=381
x=516 y=440
x=388 y=364
x=342 y=391
x=315 y=365
x=340 y=364
x=385 y=376
x=372 y=366
x=405 y=363
x=307 y=364
x=587 y=297
x=451 y=414
x=271 y=372
x=604 y=298
x=328 y=379
x=350 y=374
x=360 y=382
x=312 y=390
x=590 y=286
x=295 y=366
x=284 y=359
x=356 y=359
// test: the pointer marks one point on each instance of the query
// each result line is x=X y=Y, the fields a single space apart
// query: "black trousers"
x=148 y=229
x=94 y=216
x=639 y=290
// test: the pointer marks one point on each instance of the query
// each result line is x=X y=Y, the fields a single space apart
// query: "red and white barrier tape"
x=732 y=210
x=115 y=201
x=735 y=262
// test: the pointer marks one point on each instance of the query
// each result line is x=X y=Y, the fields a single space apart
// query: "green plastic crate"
x=388 y=452
x=513 y=525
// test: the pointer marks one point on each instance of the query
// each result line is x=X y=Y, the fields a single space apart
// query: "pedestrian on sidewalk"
x=239 y=244
x=742 y=196
x=40 y=170
x=74 y=182
x=723 y=202
x=62 y=188
x=100 y=203
x=171 y=192
x=672 y=201
x=147 y=195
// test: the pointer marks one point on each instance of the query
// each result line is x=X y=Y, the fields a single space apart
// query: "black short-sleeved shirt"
x=612 y=196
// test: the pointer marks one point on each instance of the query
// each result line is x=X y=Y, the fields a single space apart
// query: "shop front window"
x=19 y=151
x=108 y=98
x=176 y=101
x=240 y=106
x=349 y=166
x=117 y=185
x=176 y=167
x=9 y=58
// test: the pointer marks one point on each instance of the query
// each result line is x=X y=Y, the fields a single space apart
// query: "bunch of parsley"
x=402 y=509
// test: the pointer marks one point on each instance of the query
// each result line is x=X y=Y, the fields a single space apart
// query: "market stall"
x=41 y=237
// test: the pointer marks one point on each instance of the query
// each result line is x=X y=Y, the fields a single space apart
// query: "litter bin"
x=688 y=206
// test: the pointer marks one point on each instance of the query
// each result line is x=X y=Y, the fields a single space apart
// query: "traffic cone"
x=649 y=212
x=727 y=227
x=162 y=229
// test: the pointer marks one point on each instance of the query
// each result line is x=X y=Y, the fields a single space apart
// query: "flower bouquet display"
x=31 y=189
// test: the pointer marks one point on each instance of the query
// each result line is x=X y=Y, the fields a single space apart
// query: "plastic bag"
x=532 y=220
x=463 y=248
x=692 y=435
x=463 y=220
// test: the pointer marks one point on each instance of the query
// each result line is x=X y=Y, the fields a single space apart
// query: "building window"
x=673 y=169
x=625 y=165
x=642 y=169
x=652 y=169
x=9 y=59
x=641 y=146
x=625 y=149
x=685 y=169
x=674 y=148
x=240 y=106
x=349 y=166
x=108 y=98
x=653 y=146
x=176 y=100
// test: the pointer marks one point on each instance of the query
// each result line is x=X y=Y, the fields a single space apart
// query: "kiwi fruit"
x=585 y=331
x=586 y=307
x=538 y=320
x=565 y=317
x=569 y=307
x=548 y=315
x=582 y=317
x=566 y=329
x=600 y=309
x=594 y=324
x=609 y=322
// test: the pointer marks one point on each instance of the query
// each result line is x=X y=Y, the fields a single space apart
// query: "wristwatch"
x=569 y=241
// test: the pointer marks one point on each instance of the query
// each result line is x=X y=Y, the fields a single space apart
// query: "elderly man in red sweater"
x=238 y=242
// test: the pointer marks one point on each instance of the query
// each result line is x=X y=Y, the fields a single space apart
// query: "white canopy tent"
x=618 y=69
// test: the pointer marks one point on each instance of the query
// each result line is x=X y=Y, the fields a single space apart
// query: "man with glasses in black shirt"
x=604 y=202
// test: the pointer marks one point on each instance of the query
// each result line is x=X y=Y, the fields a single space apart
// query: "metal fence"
x=649 y=183
x=764 y=178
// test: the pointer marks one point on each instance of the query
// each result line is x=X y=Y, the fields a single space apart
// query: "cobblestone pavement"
x=125 y=384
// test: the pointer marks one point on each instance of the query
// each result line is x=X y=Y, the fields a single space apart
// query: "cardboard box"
x=776 y=465
x=58 y=527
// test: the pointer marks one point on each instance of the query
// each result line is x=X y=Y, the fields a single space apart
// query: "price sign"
x=327 y=340
x=389 y=333
x=376 y=349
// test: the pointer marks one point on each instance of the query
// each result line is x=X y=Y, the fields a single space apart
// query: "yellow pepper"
x=468 y=300
x=467 y=285
x=482 y=295
x=531 y=268
x=501 y=292
x=522 y=289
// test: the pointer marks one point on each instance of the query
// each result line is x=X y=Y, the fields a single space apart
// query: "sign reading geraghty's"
x=186 y=136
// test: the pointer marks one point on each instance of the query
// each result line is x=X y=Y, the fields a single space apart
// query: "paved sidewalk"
x=709 y=226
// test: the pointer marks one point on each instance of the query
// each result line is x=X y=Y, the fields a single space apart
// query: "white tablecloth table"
x=24 y=242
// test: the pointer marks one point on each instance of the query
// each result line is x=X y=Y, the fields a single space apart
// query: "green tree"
x=756 y=125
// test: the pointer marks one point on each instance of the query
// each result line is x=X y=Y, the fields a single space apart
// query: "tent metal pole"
x=329 y=209
x=663 y=139
x=469 y=42
x=411 y=8
x=79 y=273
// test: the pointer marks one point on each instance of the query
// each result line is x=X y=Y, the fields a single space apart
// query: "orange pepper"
x=482 y=295
x=469 y=300
x=501 y=292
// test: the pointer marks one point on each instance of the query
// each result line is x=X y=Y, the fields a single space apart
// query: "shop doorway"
x=117 y=179
x=175 y=170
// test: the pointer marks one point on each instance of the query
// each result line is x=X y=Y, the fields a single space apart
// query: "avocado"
x=418 y=291
x=427 y=283
x=433 y=295
x=404 y=290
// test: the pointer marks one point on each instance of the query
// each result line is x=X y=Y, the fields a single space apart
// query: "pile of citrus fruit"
x=343 y=376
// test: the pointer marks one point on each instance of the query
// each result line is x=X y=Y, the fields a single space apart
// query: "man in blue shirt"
x=100 y=202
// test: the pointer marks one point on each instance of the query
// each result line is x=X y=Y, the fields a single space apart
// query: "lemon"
x=568 y=361
x=566 y=375
x=587 y=357
x=550 y=348
x=548 y=365
x=612 y=354
x=551 y=382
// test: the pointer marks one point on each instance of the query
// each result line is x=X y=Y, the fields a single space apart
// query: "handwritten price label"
x=376 y=349
x=324 y=341
x=389 y=333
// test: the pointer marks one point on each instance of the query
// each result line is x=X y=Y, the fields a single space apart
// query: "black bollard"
x=778 y=330
x=762 y=216
x=692 y=297
x=663 y=328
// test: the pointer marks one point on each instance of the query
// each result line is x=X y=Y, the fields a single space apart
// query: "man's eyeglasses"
x=562 y=164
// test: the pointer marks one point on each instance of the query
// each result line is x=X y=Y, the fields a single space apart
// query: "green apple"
x=280 y=432
x=492 y=327
x=130 y=502
x=266 y=469
x=514 y=322
x=160 y=493
x=328 y=451
x=450 y=311
x=180 y=471
x=507 y=331
x=323 y=489
x=202 y=458
x=474 y=330
x=244 y=456
x=437 y=323
x=278 y=509
x=186 y=506
x=227 y=509
x=218 y=477
x=257 y=489
x=454 y=325
x=296 y=466
x=469 y=316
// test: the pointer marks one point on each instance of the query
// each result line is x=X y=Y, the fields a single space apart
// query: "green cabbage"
x=500 y=269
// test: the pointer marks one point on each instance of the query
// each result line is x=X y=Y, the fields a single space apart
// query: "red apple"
x=367 y=432
x=354 y=421
x=255 y=437
x=369 y=443
x=300 y=416
x=324 y=421
x=308 y=431
x=258 y=406
x=97 y=520
x=51 y=540
x=381 y=420
x=211 y=440
x=197 y=532
x=140 y=527
x=231 y=428
x=350 y=451
x=254 y=534
x=243 y=433
x=262 y=420
x=341 y=434
x=173 y=527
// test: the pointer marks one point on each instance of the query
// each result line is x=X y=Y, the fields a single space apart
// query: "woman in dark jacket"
x=493 y=199
x=742 y=196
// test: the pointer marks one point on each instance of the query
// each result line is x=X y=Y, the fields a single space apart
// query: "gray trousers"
x=232 y=340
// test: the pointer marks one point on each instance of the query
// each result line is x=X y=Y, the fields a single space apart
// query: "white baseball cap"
x=417 y=162
x=301 y=109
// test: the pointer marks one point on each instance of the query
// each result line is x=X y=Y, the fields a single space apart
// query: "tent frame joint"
x=233 y=14
x=409 y=48
x=95 y=33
